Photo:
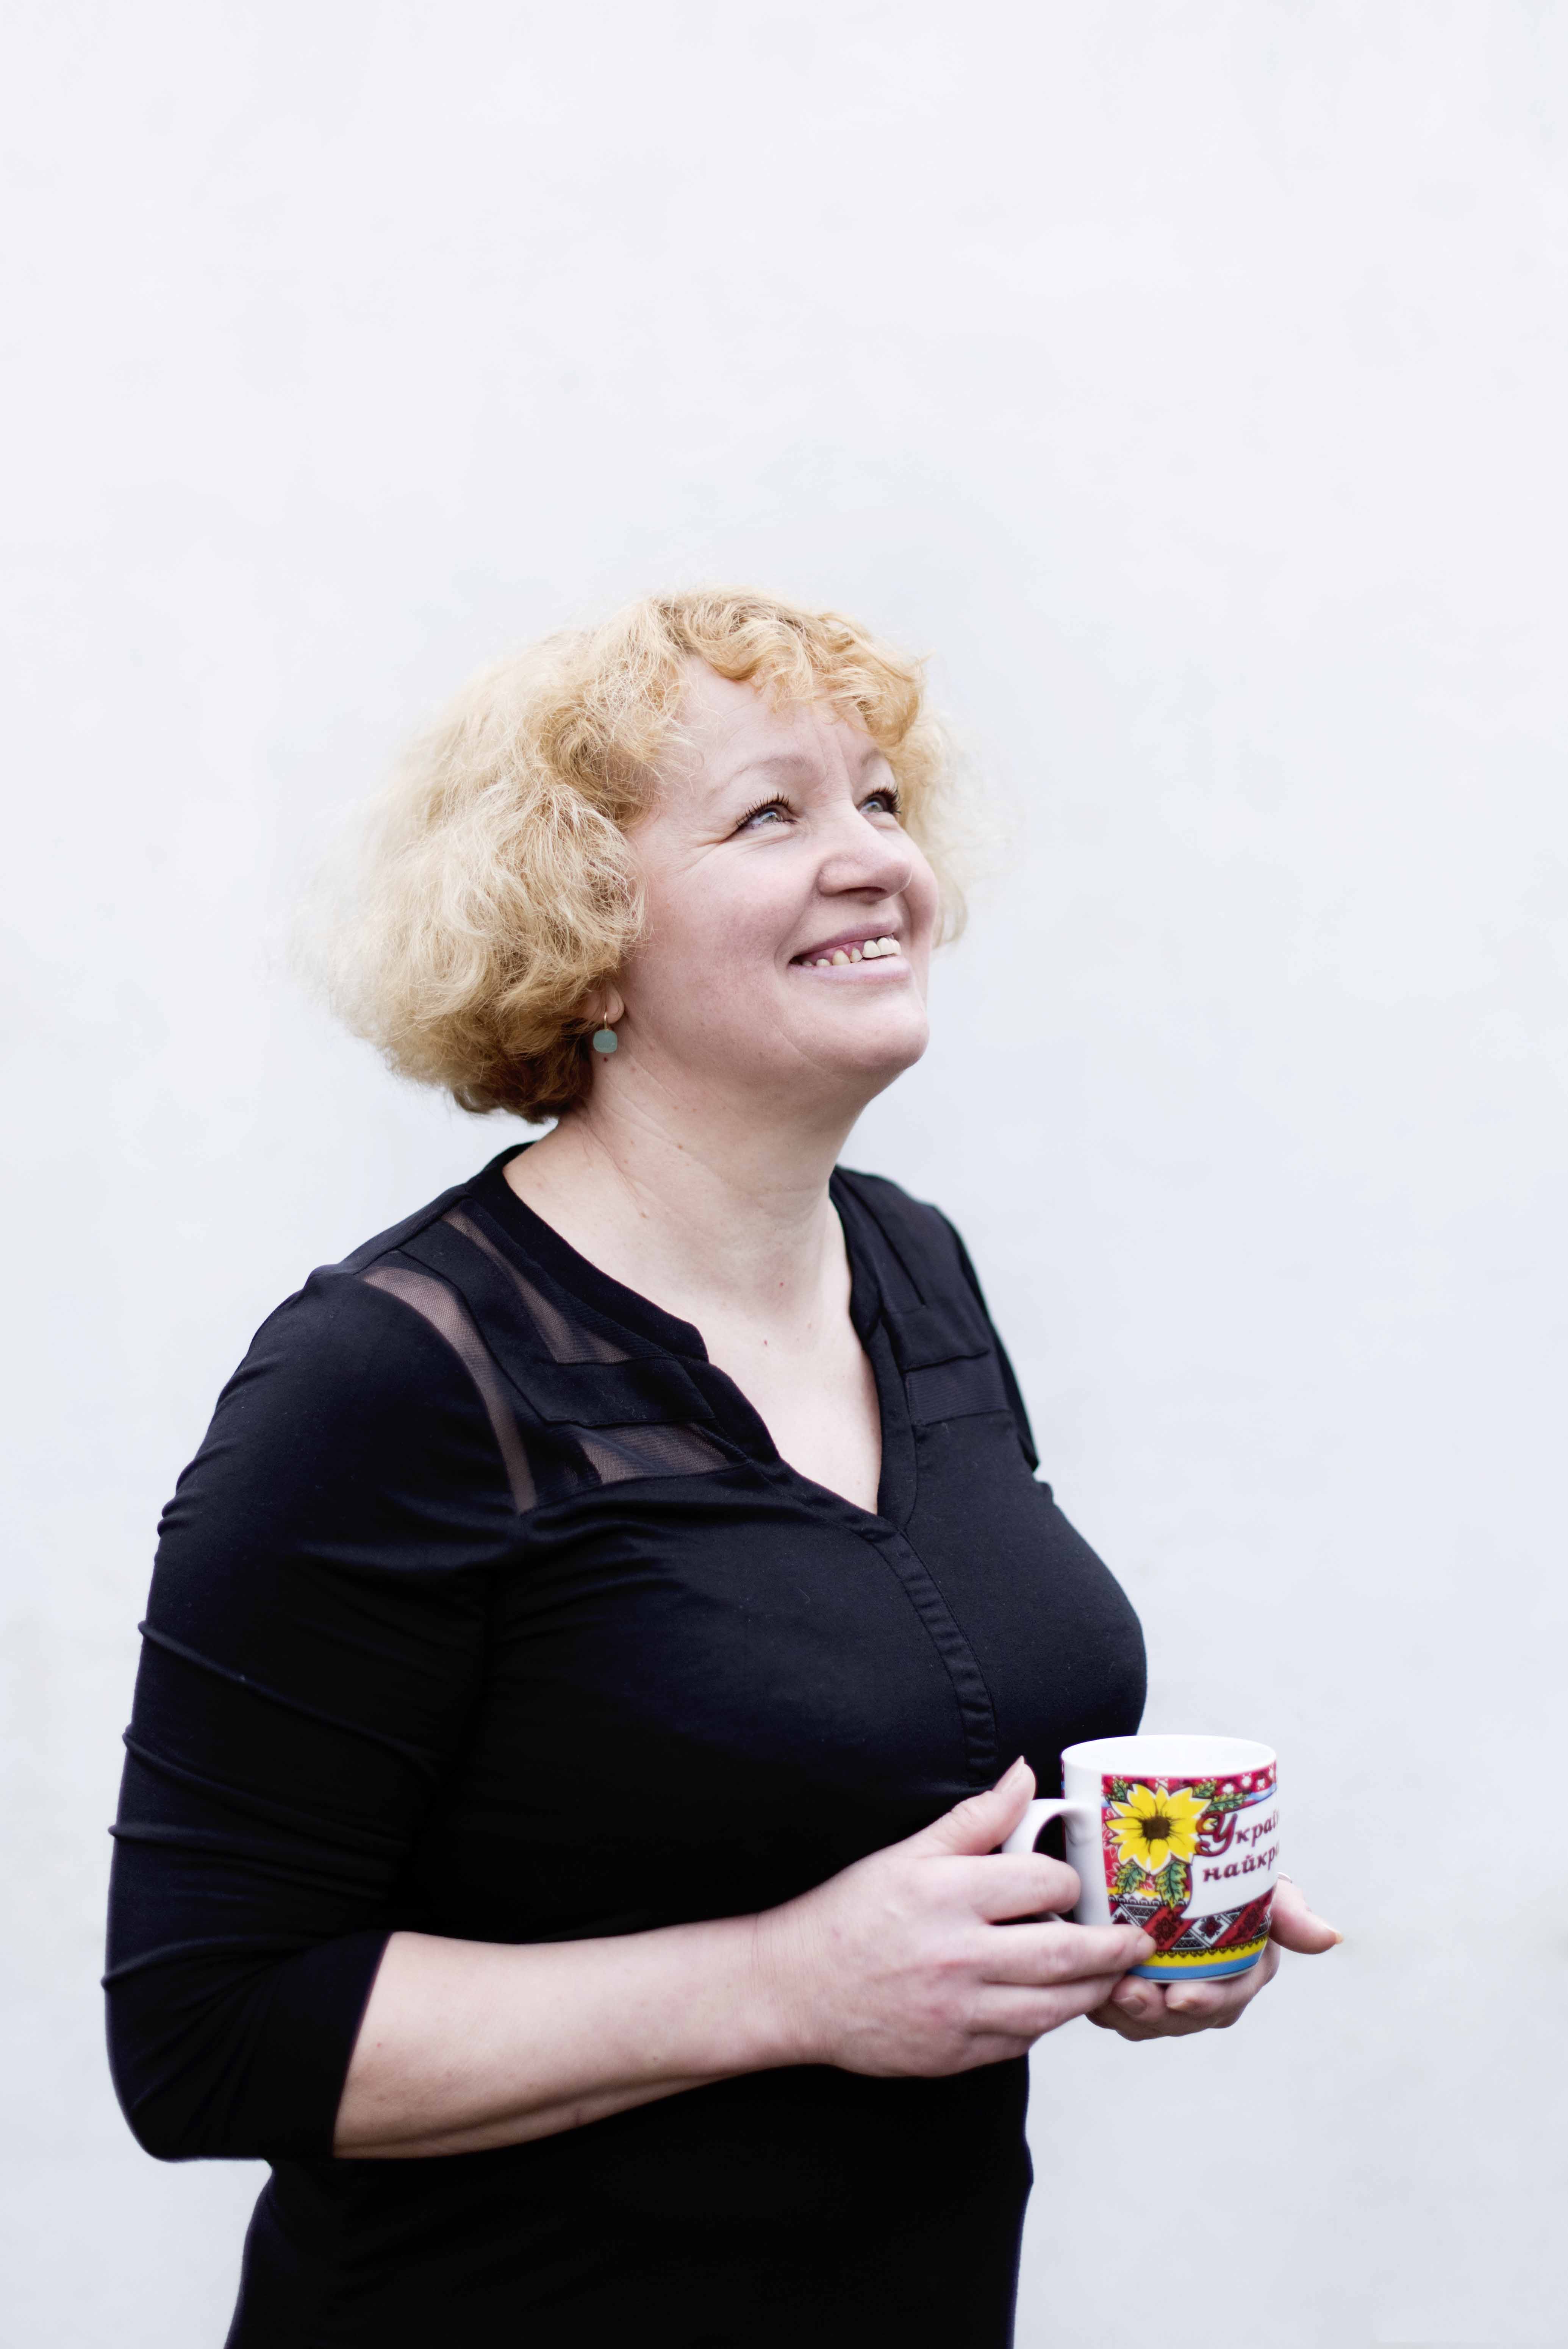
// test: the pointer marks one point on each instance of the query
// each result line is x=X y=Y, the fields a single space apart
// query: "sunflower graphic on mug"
x=1155 y=1826
x=1155 y=1829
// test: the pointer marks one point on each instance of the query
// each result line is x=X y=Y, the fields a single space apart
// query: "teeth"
x=868 y=952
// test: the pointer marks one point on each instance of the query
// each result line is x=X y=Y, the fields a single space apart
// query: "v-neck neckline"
x=638 y=1315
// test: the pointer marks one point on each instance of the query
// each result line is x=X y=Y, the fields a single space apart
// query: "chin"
x=877 y=1058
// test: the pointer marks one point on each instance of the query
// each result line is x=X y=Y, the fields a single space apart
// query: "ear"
x=612 y=1007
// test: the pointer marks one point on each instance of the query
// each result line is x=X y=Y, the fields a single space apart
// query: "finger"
x=1023 y=1884
x=981 y=1821
x=1294 y=1925
x=1220 y=2002
x=1155 y=2018
x=1240 y=1991
x=1195 y=2005
x=1142 y=2018
x=1028 y=2014
x=1228 y=1995
x=1111 y=2017
x=1139 y=2000
x=1059 y=1953
x=1165 y=2026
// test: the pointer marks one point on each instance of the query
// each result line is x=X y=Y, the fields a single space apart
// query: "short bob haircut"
x=495 y=890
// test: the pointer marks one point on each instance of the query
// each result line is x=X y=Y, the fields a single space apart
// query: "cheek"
x=700 y=963
x=923 y=899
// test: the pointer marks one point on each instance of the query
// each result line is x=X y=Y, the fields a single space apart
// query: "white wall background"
x=1191 y=379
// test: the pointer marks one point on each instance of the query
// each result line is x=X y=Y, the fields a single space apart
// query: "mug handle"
x=1054 y=1808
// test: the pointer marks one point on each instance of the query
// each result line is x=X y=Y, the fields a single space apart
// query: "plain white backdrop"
x=1189 y=380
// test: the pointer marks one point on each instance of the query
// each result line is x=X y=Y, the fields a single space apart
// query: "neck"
x=708 y=1208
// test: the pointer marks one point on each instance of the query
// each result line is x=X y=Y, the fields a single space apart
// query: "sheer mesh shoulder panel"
x=616 y=1453
x=447 y=1315
x=565 y=1342
x=573 y=1455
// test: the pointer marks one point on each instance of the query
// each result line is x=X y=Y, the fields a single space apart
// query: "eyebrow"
x=784 y=765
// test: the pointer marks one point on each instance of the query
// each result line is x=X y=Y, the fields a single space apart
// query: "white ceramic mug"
x=1178 y=1834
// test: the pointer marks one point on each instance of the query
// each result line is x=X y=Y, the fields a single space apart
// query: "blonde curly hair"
x=495 y=891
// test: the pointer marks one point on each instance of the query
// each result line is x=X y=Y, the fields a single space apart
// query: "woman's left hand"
x=1139 y=2008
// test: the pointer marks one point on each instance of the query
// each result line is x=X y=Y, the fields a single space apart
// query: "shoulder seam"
x=396 y=1235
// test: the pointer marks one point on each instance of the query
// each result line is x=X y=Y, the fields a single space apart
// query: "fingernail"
x=1338 y=1937
x=1010 y=1771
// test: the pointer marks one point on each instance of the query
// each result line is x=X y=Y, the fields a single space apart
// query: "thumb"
x=1295 y=1926
x=981 y=1821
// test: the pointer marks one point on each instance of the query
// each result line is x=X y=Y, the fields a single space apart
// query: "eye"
x=887 y=793
x=774 y=807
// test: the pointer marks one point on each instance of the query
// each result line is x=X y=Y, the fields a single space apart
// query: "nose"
x=864 y=856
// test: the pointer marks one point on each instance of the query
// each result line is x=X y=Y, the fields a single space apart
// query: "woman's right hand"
x=905 y=1964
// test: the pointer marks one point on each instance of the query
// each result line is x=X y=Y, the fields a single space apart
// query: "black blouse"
x=488 y=1609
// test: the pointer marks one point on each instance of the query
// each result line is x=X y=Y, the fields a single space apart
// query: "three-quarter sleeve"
x=313 y=1647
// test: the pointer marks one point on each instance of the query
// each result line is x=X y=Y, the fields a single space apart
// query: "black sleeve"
x=311 y=1651
x=1009 y=1377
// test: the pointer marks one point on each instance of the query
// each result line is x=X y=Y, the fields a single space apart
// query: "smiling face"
x=790 y=916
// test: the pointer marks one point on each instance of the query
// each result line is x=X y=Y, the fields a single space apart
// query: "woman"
x=613 y=1620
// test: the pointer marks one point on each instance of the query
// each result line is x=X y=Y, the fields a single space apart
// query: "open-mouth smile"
x=841 y=953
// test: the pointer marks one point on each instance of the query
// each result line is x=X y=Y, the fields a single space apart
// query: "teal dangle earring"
x=605 y=1039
